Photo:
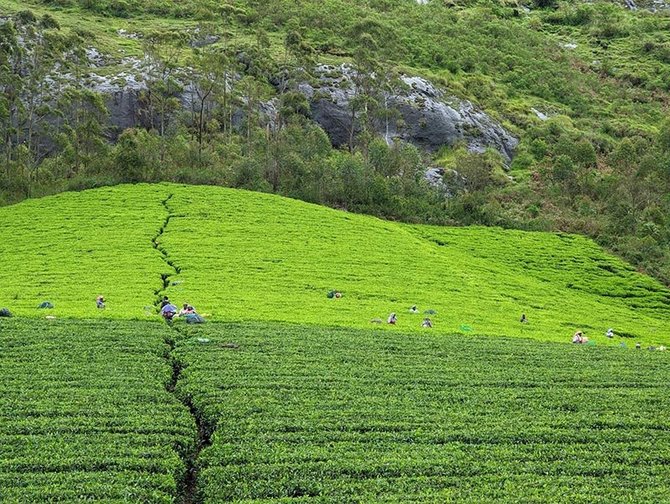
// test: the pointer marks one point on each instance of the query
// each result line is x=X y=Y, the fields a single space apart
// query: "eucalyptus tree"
x=163 y=52
x=33 y=54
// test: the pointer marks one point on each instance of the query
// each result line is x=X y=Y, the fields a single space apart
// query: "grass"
x=85 y=415
x=243 y=256
x=340 y=415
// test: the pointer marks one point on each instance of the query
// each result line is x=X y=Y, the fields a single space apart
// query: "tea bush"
x=340 y=415
x=244 y=256
x=85 y=415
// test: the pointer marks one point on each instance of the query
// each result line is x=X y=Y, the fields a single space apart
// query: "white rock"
x=540 y=115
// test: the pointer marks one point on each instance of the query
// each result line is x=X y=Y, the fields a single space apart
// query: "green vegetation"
x=269 y=258
x=261 y=410
x=72 y=247
x=244 y=256
x=368 y=416
x=286 y=394
x=596 y=166
x=85 y=415
x=91 y=411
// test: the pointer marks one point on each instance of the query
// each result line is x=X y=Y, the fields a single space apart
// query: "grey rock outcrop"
x=446 y=180
x=123 y=103
x=434 y=176
x=121 y=92
x=429 y=117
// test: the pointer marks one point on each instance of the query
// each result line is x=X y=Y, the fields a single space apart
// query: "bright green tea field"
x=241 y=256
x=68 y=249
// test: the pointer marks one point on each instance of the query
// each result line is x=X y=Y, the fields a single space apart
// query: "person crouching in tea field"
x=168 y=311
x=392 y=319
x=579 y=338
x=427 y=323
x=100 y=302
x=186 y=310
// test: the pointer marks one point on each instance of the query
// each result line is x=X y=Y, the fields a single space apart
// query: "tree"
x=135 y=155
x=82 y=112
x=209 y=76
x=365 y=86
x=162 y=52
x=297 y=60
x=663 y=138
x=375 y=84
x=624 y=158
x=32 y=53
x=85 y=115
x=11 y=85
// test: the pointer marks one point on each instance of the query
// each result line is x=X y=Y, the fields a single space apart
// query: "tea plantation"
x=70 y=248
x=240 y=256
x=336 y=415
x=85 y=414
x=287 y=395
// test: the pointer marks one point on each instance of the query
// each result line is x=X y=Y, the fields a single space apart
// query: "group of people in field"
x=426 y=324
x=579 y=339
x=167 y=310
x=393 y=317
x=170 y=311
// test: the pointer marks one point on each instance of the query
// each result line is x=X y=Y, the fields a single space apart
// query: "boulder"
x=430 y=118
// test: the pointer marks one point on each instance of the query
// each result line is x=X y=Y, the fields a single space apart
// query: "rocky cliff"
x=426 y=116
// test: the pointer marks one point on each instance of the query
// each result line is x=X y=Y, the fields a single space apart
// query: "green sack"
x=194 y=318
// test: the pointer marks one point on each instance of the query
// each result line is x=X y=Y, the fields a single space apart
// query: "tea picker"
x=168 y=311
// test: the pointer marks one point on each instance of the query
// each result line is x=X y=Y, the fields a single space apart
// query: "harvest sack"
x=194 y=318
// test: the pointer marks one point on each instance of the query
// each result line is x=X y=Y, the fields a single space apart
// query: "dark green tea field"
x=85 y=415
x=109 y=411
x=338 y=415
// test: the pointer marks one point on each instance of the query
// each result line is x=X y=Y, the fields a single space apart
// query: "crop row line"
x=155 y=241
x=189 y=493
x=188 y=488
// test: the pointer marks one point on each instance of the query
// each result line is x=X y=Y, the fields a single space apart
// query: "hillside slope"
x=238 y=255
x=69 y=248
x=583 y=87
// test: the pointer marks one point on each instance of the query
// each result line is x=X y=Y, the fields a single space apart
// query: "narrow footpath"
x=187 y=490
